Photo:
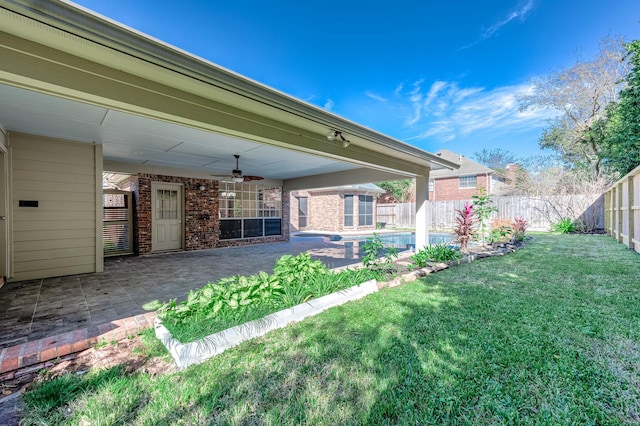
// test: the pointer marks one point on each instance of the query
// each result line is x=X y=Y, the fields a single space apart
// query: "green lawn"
x=547 y=335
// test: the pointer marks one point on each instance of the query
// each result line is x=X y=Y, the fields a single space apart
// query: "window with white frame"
x=303 y=211
x=432 y=184
x=467 y=182
x=348 y=210
x=249 y=210
x=365 y=210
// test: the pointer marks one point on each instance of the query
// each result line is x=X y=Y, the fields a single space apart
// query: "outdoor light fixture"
x=333 y=134
x=237 y=179
x=202 y=187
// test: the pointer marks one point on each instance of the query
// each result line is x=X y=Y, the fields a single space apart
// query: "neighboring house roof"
x=468 y=167
x=368 y=187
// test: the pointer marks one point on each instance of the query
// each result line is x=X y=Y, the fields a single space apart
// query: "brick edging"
x=50 y=348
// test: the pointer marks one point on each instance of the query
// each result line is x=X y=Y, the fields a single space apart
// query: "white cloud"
x=520 y=13
x=415 y=97
x=436 y=87
x=442 y=131
x=328 y=105
x=516 y=14
x=375 y=96
x=464 y=93
x=448 y=111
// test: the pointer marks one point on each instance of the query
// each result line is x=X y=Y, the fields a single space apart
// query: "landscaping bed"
x=249 y=323
x=546 y=335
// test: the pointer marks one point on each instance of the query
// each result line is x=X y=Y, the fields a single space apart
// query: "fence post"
x=619 y=212
x=623 y=202
x=607 y=212
x=630 y=211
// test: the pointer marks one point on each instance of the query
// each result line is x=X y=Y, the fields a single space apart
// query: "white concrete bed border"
x=186 y=354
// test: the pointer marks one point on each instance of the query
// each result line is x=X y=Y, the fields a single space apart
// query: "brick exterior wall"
x=201 y=218
x=326 y=211
x=201 y=223
x=449 y=188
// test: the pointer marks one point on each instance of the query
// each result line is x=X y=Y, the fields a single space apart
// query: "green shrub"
x=238 y=292
x=434 y=253
x=321 y=285
x=373 y=250
x=500 y=235
x=289 y=268
x=229 y=293
x=565 y=225
x=238 y=299
x=482 y=208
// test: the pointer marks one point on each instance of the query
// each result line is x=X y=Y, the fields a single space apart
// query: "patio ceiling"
x=141 y=141
x=71 y=74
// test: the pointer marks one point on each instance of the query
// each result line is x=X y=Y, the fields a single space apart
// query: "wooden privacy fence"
x=622 y=210
x=540 y=212
x=402 y=215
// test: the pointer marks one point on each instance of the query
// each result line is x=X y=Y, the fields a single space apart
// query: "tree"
x=565 y=191
x=483 y=207
x=402 y=190
x=496 y=159
x=580 y=94
x=621 y=148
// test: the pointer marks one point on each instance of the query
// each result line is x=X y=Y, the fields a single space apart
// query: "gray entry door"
x=168 y=207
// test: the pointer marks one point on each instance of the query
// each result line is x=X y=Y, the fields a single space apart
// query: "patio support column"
x=422 y=211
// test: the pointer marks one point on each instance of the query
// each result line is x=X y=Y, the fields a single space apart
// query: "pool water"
x=399 y=240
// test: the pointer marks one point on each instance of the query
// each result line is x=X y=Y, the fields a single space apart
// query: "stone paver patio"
x=32 y=310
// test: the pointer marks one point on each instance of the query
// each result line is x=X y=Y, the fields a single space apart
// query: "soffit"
x=143 y=141
x=280 y=132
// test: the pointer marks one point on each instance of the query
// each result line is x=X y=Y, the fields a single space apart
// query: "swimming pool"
x=399 y=240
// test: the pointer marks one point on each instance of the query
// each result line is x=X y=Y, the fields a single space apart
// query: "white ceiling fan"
x=236 y=175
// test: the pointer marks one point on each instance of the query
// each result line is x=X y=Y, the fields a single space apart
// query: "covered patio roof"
x=69 y=73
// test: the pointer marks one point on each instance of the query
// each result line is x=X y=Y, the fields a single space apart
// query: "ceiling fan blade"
x=236 y=175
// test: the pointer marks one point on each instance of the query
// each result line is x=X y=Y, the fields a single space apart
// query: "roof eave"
x=72 y=18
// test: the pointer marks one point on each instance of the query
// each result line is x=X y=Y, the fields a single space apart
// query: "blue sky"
x=434 y=74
